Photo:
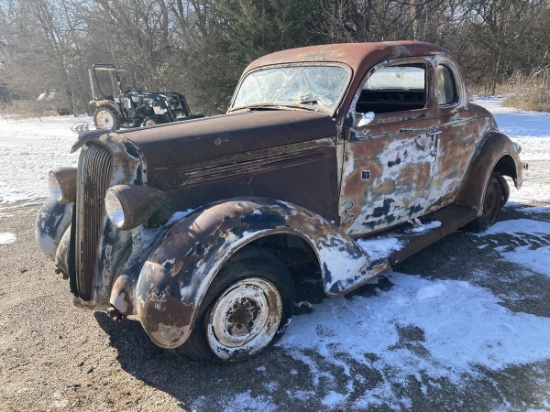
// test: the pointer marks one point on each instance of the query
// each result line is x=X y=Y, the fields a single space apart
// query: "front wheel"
x=247 y=308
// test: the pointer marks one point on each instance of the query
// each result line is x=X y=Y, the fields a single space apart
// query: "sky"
x=464 y=326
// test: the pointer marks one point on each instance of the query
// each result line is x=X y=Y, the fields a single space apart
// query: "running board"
x=410 y=239
x=452 y=218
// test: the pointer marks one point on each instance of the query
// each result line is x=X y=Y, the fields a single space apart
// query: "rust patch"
x=407 y=176
x=386 y=187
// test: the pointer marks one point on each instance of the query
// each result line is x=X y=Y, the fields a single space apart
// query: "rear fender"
x=98 y=103
x=497 y=153
x=174 y=280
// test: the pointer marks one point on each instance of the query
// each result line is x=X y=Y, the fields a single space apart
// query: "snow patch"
x=537 y=259
x=425 y=226
x=379 y=248
x=532 y=238
x=247 y=402
x=6 y=238
x=514 y=227
x=450 y=328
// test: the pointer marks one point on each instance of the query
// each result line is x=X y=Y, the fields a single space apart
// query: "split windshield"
x=310 y=87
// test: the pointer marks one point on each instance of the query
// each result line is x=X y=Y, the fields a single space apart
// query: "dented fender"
x=53 y=221
x=497 y=153
x=175 y=278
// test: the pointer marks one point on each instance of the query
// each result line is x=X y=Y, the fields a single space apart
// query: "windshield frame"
x=279 y=106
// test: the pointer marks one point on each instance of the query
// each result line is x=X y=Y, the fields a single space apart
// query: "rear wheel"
x=106 y=117
x=496 y=195
x=246 y=309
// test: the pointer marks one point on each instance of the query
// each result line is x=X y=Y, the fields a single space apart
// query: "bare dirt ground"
x=56 y=357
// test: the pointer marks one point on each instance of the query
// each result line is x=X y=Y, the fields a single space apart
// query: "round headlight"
x=114 y=209
x=128 y=206
x=62 y=184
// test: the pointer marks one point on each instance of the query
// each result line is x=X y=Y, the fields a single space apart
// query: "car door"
x=389 y=148
x=456 y=133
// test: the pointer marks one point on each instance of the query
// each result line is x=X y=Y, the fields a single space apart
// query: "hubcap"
x=245 y=317
x=105 y=119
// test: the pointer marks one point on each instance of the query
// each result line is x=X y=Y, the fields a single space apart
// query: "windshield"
x=313 y=87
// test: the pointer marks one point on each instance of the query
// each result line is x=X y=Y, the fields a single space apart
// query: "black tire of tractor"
x=252 y=272
x=107 y=118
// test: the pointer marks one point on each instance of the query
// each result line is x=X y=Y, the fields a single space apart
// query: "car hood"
x=192 y=144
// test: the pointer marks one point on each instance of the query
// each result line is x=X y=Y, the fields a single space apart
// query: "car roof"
x=359 y=56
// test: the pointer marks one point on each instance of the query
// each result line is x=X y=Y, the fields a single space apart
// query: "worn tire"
x=495 y=196
x=106 y=117
x=505 y=188
x=231 y=325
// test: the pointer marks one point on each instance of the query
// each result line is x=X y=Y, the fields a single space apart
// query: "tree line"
x=200 y=47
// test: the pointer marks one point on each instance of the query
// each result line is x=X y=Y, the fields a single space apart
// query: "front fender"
x=497 y=153
x=174 y=280
x=53 y=220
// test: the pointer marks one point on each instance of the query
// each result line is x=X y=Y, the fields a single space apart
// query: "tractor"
x=115 y=107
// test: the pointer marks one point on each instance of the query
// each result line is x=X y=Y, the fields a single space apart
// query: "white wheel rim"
x=105 y=119
x=245 y=318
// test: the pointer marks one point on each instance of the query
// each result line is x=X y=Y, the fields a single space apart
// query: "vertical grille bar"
x=94 y=175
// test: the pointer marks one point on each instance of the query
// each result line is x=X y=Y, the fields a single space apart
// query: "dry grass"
x=529 y=92
x=531 y=101
x=25 y=110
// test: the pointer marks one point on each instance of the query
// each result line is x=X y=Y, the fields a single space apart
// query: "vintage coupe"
x=192 y=227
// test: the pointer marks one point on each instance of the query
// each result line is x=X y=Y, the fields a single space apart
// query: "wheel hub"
x=241 y=317
x=104 y=119
x=245 y=317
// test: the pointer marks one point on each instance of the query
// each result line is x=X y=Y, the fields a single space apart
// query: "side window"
x=394 y=89
x=446 y=86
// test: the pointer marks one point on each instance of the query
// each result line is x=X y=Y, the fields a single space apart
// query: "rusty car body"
x=189 y=227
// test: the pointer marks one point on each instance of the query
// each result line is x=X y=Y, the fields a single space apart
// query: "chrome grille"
x=94 y=173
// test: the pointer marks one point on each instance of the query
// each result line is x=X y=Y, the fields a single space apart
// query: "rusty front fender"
x=174 y=280
x=497 y=153
x=53 y=220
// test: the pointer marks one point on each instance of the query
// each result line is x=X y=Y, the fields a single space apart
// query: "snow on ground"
x=531 y=130
x=456 y=326
x=28 y=150
x=533 y=250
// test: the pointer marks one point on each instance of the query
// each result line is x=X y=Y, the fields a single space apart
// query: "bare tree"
x=199 y=47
